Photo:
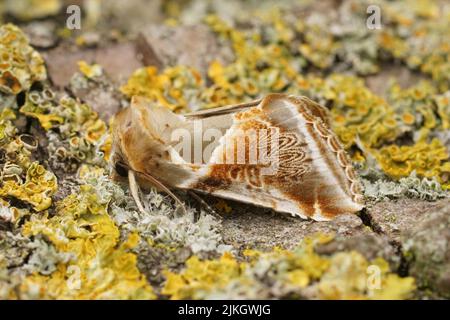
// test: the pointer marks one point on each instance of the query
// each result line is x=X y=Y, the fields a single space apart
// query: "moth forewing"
x=300 y=167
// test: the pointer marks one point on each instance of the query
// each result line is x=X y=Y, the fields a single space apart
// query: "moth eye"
x=121 y=170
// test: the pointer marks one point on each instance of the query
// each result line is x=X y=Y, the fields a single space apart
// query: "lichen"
x=44 y=257
x=75 y=132
x=419 y=37
x=102 y=266
x=175 y=88
x=37 y=189
x=411 y=187
x=266 y=61
x=427 y=159
x=162 y=225
x=90 y=71
x=14 y=248
x=20 y=65
x=22 y=178
x=443 y=109
x=14 y=252
x=32 y=9
x=359 y=117
x=88 y=227
x=223 y=206
x=69 y=115
x=7 y=129
x=286 y=274
x=9 y=281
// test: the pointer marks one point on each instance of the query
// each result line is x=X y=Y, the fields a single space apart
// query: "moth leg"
x=204 y=204
x=134 y=188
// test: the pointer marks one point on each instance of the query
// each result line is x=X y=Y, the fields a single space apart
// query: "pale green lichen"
x=44 y=258
x=68 y=115
x=9 y=281
x=75 y=132
x=410 y=187
x=162 y=224
x=359 y=117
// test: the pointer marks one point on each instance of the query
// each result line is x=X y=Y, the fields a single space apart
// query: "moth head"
x=141 y=137
x=119 y=165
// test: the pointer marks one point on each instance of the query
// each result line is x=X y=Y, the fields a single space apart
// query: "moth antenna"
x=134 y=188
x=159 y=184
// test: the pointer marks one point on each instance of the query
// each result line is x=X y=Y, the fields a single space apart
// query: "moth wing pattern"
x=313 y=177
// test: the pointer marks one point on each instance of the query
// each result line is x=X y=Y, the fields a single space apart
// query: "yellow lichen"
x=41 y=111
x=71 y=116
x=426 y=159
x=32 y=9
x=200 y=276
x=364 y=121
x=347 y=278
x=37 y=189
x=7 y=129
x=342 y=275
x=169 y=88
x=20 y=64
x=443 y=109
x=90 y=71
x=102 y=268
x=358 y=115
x=22 y=178
x=273 y=53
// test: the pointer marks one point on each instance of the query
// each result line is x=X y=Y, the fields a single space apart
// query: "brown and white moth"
x=278 y=152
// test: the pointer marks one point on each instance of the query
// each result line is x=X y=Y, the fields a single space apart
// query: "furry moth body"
x=313 y=178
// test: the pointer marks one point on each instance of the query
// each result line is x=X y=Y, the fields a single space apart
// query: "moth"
x=277 y=152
